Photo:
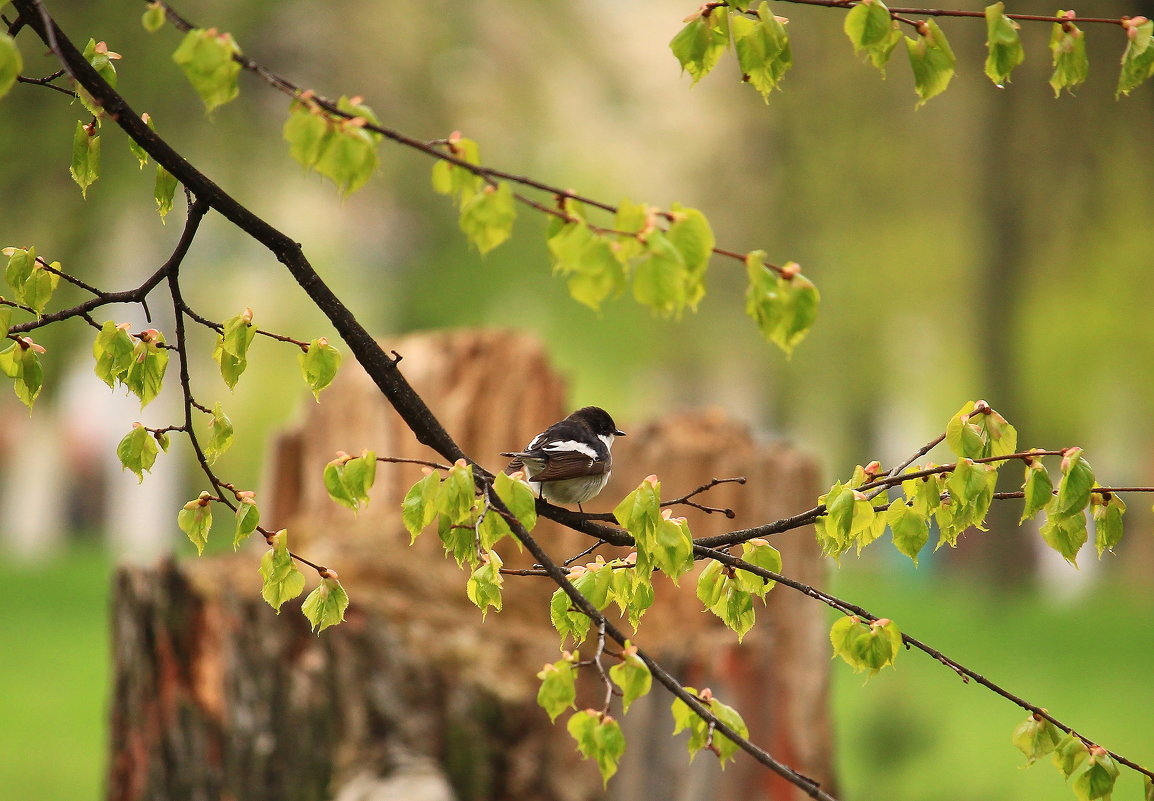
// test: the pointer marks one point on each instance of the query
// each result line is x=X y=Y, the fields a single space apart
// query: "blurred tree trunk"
x=416 y=698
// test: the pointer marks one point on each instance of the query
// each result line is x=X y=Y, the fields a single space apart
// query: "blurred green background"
x=993 y=243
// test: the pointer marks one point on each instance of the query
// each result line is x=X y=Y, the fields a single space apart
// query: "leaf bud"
x=651 y=479
x=1070 y=458
x=706 y=695
x=790 y=269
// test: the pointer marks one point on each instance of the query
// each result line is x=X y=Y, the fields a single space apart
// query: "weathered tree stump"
x=416 y=698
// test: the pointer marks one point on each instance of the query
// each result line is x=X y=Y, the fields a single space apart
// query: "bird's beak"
x=618 y=433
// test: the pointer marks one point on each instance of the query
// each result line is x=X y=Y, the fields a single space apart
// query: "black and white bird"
x=570 y=461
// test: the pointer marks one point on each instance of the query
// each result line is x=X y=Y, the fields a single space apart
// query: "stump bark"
x=415 y=697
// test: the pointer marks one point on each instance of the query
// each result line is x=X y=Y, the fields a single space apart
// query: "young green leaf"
x=1035 y=737
x=1075 y=486
x=931 y=59
x=460 y=539
x=20 y=362
x=758 y=552
x=487 y=217
x=672 y=546
x=977 y=432
x=31 y=283
x=518 y=496
x=699 y=45
x=1138 y=59
x=864 y=646
x=137 y=451
x=701 y=734
x=661 y=279
x=1068 y=55
x=1069 y=753
x=569 y=622
x=325 y=606
x=599 y=738
x=1037 y=489
x=21 y=262
x=247 y=519
x=349 y=156
x=134 y=147
x=1107 y=510
x=231 y=351
x=1094 y=779
x=37 y=291
x=873 y=32
x=588 y=262
x=145 y=375
x=10 y=63
x=207 y=58
x=100 y=58
x=484 y=585
x=1066 y=534
x=163 y=191
x=282 y=580
x=319 y=365
x=112 y=351
x=85 y=167
x=419 y=509
x=458 y=494
x=910 y=528
x=308 y=130
x=1003 y=45
x=632 y=675
x=640 y=511
x=454 y=180
x=153 y=18
x=348 y=479
x=219 y=435
x=558 y=690
x=783 y=306
x=692 y=237
x=195 y=520
x=762 y=48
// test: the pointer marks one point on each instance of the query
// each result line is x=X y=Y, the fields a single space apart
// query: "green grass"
x=54 y=678
x=918 y=732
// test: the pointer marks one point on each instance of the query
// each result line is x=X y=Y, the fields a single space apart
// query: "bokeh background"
x=993 y=243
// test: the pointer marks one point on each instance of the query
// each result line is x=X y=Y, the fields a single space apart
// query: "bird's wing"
x=562 y=465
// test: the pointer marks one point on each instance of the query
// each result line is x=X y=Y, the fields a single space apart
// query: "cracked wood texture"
x=414 y=698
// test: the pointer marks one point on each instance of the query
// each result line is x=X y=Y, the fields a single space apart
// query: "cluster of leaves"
x=467 y=523
x=955 y=497
x=661 y=256
x=1090 y=770
x=665 y=267
x=729 y=592
x=597 y=734
x=701 y=732
x=865 y=646
x=761 y=44
x=338 y=147
x=325 y=606
x=33 y=281
x=86 y=141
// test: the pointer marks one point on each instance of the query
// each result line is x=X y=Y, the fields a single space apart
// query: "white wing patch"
x=563 y=445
